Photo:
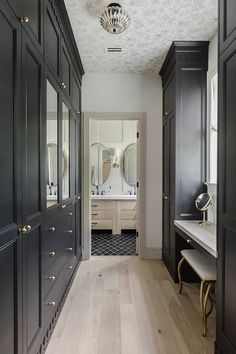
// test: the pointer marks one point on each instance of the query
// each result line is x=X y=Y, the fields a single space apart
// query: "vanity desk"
x=191 y=234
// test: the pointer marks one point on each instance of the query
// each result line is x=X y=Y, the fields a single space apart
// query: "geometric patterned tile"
x=104 y=244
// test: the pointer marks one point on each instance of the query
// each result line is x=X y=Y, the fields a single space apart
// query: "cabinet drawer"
x=129 y=205
x=128 y=224
x=101 y=205
x=128 y=214
x=101 y=215
x=101 y=225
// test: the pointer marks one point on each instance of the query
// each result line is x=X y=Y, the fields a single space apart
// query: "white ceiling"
x=154 y=25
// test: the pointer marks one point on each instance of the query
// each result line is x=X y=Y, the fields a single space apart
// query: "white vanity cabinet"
x=113 y=214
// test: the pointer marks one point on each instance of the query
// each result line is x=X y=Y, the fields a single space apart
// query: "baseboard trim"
x=151 y=253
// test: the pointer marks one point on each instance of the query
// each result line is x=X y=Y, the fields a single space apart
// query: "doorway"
x=114 y=184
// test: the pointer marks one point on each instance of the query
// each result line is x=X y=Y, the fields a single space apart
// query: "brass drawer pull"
x=94 y=223
x=52 y=254
x=69 y=214
x=51 y=229
x=94 y=214
x=51 y=303
x=51 y=278
x=189 y=240
x=69 y=267
x=69 y=249
x=94 y=205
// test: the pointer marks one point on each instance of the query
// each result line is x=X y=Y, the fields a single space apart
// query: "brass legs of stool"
x=179 y=275
x=204 y=296
x=203 y=305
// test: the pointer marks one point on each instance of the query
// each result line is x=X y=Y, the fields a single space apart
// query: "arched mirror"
x=130 y=164
x=100 y=164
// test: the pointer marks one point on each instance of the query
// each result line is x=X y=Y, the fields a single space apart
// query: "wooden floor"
x=124 y=305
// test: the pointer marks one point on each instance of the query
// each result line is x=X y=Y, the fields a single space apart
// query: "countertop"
x=204 y=235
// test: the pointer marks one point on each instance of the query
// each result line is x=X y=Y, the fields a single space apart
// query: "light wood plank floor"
x=124 y=305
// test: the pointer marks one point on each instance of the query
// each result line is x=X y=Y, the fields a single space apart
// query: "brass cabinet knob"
x=52 y=254
x=22 y=230
x=69 y=249
x=166 y=197
x=28 y=228
x=189 y=240
x=51 y=303
x=69 y=214
x=51 y=278
x=62 y=206
x=78 y=198
x=69 y=231
x=52 y=229
x=69 y=267
x=63 y=85
x=78 y=112
x=24 y=19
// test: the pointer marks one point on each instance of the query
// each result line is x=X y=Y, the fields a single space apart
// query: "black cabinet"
x=226 y=229
x=184 y=112
x=40 y=243
x=227 y=23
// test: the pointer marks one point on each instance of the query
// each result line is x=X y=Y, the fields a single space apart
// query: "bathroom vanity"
x=114 y=212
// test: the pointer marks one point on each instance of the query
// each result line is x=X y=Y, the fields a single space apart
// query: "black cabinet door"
x=30 y=14
x=78 y=218
x=32 y=191
x=65 y=69
x=10 y=164
x=76 y=93
x=227 y=23
x=226 y=310
x=169 y=96
x=52 y=42
x=166 y=187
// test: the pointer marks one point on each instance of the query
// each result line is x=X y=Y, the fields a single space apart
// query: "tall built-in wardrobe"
x=40 y=176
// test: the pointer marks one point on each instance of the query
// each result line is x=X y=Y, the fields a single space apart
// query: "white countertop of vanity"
x=114 y=197
x=204 y=235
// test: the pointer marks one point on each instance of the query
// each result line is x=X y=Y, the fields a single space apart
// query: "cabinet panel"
x=8 y=299
x=32 y=10
x=227 y=23
x=52 y=43
x=166 y=183
x=75 y=92
x=169 y=96
x=32 y=291
x=65 y=69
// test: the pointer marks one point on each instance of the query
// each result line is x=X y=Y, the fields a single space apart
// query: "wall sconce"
x=115 y=154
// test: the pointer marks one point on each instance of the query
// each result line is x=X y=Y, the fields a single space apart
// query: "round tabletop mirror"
x=100 y=164
x=130 y=164
x=203 y=203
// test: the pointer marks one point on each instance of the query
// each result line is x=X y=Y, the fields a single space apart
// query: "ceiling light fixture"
x=114 y=19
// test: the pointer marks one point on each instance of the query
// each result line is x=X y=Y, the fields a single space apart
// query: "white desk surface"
x=204 y=235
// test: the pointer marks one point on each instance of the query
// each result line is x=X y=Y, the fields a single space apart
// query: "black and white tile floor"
x=113 y=245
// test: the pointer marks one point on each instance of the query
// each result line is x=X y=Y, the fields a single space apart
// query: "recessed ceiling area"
x=154 y=24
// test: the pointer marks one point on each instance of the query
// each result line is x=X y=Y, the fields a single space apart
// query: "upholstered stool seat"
x=206 y=270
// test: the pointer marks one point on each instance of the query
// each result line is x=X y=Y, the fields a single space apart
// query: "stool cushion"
x=201 y=264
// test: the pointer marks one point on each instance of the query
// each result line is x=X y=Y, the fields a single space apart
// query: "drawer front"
x=128 y=205
x=128 y=224
x=56 y=231
x=101 y=215
x=128 y=214
x=101 y=225
x=101 y=205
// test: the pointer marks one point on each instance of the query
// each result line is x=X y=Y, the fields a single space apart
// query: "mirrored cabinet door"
x=52 y=146
x=65 y=152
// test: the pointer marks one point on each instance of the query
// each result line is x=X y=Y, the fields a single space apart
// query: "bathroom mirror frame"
x=123 y=165
x=109 y=172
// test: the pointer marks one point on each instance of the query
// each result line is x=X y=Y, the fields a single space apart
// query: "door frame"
x=86 y=176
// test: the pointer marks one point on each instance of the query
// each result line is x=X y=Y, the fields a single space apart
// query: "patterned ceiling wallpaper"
x=154 y=25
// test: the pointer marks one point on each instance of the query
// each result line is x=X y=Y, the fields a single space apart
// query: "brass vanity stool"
x=206 y=271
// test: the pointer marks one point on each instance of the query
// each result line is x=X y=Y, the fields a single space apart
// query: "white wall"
x=135 y=93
